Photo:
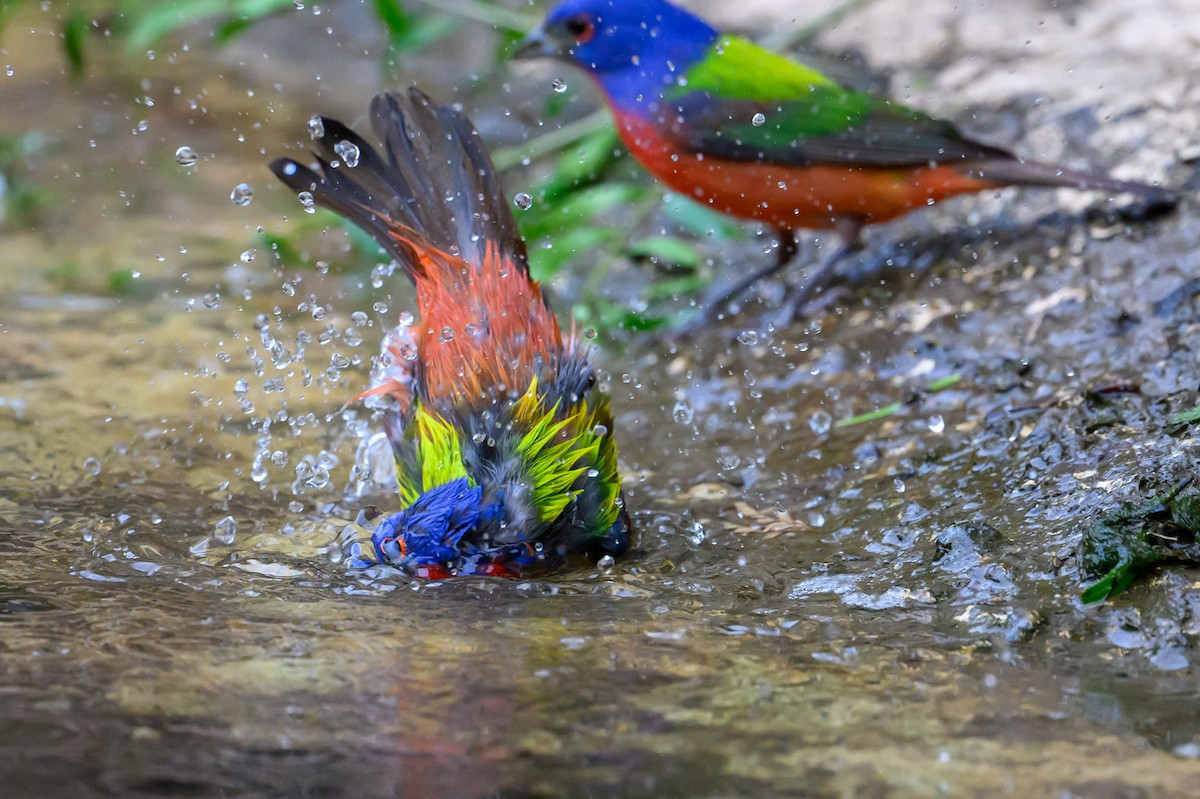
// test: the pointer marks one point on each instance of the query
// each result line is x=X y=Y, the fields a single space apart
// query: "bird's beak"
x=538 y=44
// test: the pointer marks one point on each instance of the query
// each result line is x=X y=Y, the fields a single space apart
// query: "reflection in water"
x=792 y=622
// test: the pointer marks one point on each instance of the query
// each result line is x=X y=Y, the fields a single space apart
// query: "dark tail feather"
x=434 y=186
x=1036 y=173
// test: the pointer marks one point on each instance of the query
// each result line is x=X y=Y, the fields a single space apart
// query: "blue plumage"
x=430 y=531
x=633 y=44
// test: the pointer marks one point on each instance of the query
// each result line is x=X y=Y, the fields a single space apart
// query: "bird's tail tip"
x=1155 y=200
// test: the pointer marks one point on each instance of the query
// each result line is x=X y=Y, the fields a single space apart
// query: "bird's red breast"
x=790 y=197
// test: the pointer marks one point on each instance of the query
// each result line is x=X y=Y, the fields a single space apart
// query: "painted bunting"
x=760 y=136
x=503 y=442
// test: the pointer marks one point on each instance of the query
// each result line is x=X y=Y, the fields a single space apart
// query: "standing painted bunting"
x=757 y=135
x=503 y=441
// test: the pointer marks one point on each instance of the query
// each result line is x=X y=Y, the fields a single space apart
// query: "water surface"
x=882 y=609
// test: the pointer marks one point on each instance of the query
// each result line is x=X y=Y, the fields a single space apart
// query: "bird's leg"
x=787 y=251
x=848 y=230
x=788 y=247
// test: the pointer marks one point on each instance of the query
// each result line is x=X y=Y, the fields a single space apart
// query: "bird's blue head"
x=431 y=531
x=622 y=40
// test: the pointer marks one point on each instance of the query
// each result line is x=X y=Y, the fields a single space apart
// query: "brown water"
x=883 y=609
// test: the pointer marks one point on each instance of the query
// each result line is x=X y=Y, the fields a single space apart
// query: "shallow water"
x=882 y=609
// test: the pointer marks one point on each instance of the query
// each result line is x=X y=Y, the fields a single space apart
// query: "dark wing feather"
x=832 y=128
x=479 y=211
x=452 y=204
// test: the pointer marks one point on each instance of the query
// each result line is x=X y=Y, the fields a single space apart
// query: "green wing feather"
x=562 y=453
x=807 y=119
x=434 y=458
x=565 y=456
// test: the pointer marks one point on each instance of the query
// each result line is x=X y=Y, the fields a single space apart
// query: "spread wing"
x=432 y=186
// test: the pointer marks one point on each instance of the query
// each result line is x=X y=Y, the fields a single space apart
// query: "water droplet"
x=559 y=85
x=606 y=563
x=348 y=152
x=748 y=337
x=92 y=466
x=478 y=438
x=820 y=422
x=758 y=120
x=186 y=156
x=242 y=194
x=8 y=70
x=447 y=335
x=288 y=289
x=683 y=413
x=316 y=127
x=319 y=478
x=589 y=333
x=406 y=319
x=226 y=530
x=248 y=256
x=359 y=319
x=816 y=519
x=899 y=484
x=308 y=202
x=936 y=423
x=408 y=352
x=600 y=431
x=523 y=201
x=593 y=473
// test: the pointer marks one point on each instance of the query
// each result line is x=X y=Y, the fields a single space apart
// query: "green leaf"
x=943 y=383
x=549 y=219
x=641 y=323
x=873 y=416
x=614 y=316
x=1127 y=542
x=409 y=32
x=700 y=220
x=74 y=32
x=546 y=262
x=671 y=289
x=582 y=163
x=121 y=282
x=665 y=250
x=1182 y=419
x=150 y=23
x=396 y=21
x=153 y=21
x=230 y=29
x=1098 y=591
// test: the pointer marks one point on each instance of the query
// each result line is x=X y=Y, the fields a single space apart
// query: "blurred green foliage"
x=587 y=181
x=22 y=202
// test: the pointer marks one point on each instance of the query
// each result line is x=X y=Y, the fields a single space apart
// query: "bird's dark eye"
x=582 y=28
